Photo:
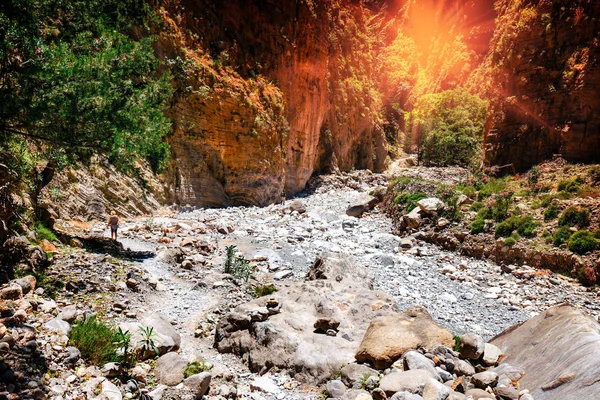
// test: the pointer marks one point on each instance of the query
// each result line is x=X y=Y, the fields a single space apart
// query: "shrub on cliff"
x=582 y=242
x=74 y=83
x=574 y=216
x=448 y=127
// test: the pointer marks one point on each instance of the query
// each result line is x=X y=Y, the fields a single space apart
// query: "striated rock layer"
x=268 y=93
x=543 y=74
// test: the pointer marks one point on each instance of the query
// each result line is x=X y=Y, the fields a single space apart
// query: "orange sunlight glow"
x=450 y=38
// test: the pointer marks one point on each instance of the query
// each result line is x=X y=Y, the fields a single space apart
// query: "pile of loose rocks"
x=470 y=371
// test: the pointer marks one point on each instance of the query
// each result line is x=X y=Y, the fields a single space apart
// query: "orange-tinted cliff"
x=268 y=93
x=543 y=76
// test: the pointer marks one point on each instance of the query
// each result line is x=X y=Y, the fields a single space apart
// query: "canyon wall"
x=268 y=92
x=542 y=75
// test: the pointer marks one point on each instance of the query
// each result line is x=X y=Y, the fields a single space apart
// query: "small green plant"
x=477 y=226
x=196 y=367
x=594 y=174
x=582 y=242
x=124 y=350
x=510 y=241
x=239 y=267
x=493 y=186
x=43 y=233
x=409 y=200
x=263 y=290
x=146 y=343
x=551 y=212
x=505 y=228
x=95 y=340
x=574 y=216
x=533 y=176
x=457 y=343
x=229 y=258
x=526 y=226
x=561 y=236
x=476 y=206
x=571 y=185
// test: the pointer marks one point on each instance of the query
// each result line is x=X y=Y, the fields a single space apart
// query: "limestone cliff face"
x=544 y=80
x=268 y=93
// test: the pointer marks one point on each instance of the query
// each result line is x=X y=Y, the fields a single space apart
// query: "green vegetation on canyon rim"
x=75 y=84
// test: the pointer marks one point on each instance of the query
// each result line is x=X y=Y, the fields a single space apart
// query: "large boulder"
x=170 y=369
x=559 y=352
x=17 y=251
x=389 y=337
x=166 y=337
x=278 y=330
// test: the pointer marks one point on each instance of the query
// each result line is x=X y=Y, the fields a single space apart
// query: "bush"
x=239 y=267
x=594 y=174
x=95 y=340
x=561 y=236
x=476 y=206
x=505 y=228
x=43 y=233
x=448 y=127
x=533 y=176
x=547 y=199
x=501 y=205
x=574 y=216
x=551 y=212
x=409 y=200
x=571 y=185
x=510 y=241
x=526 y=226
x=492 y=187
x=582 y=242
x=477 y=226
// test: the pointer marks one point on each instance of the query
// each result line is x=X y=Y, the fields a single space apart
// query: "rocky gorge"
x=343 y=287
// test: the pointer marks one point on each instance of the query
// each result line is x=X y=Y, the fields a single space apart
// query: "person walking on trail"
x=113 y=222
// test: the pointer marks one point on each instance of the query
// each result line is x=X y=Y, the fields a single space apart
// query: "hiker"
x=113 y=222
x=283 y=197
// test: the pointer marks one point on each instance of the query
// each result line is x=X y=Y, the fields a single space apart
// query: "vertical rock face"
x=544 y=79
x=268 y=93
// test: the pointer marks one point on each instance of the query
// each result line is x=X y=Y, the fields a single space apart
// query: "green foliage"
x=510 y=241
x=448 y=127
x=477 y=226
x=571 y=185
x=263 y=290
x=491 y=187
x=525 y=226
x=551 y=212
x=574 y=216
x=457 y=343
x=229 y=258
x=43 y=233
x=500 y=206
x=505 y=228
x=95 y=340
x=594 y=174
x=124 y=350
x=146 y=343
x=582 y=242
x=409 y=200
x=547 y=199
x=561 y=236
x=239 y=267
x=533 y=176
x=72 y=81
x=196 y=367
x=476 y=206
